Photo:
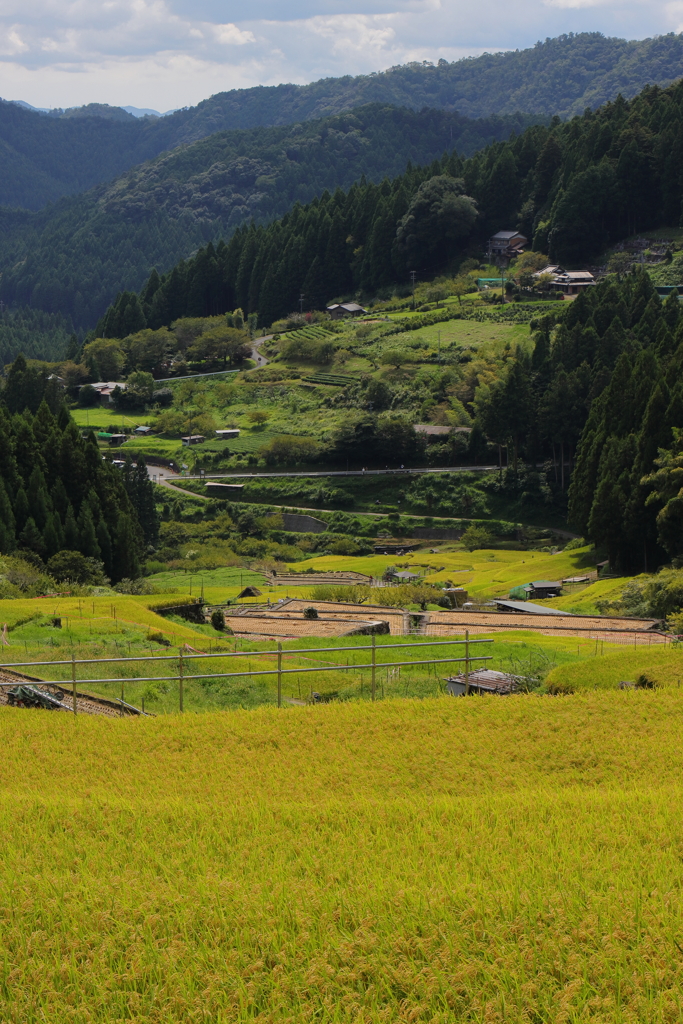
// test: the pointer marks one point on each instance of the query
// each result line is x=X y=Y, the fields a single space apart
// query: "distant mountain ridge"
x=74 y=257
x=45 y=157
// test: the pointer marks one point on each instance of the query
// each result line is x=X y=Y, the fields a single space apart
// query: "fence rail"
x=183 y=657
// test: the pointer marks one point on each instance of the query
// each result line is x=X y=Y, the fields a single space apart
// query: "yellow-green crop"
x=443 y=860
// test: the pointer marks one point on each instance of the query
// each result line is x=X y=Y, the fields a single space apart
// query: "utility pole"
x=301 y=303
x=439 y=334
x=413 y=275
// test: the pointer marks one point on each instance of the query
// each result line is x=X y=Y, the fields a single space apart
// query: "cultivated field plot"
x=427 y=861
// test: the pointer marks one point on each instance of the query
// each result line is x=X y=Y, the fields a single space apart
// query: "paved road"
x=171 y=479
x=344 y=472
x=255 y=353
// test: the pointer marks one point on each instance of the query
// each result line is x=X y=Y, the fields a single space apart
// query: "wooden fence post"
x=279 y=675
x=180 y=673
x=374 y=665
x=73 y=681
x=467 y=662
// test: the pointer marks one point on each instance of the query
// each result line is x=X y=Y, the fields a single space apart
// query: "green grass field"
x=414 y=861
x=104 y=418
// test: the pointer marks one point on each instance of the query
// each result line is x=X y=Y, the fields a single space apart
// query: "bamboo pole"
x=279 y=675
x=467 y=662
x=374 y=665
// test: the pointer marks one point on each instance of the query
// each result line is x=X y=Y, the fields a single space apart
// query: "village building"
x=538 y=589
x=105 y=390
x=340 y=310
x=506 y=244
x=573 y=281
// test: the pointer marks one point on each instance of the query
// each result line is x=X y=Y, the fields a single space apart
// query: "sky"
x=165 y=54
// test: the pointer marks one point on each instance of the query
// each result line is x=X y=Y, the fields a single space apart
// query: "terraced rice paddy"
x=434 y=861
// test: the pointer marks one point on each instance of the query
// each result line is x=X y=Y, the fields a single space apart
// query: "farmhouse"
x=573 y=281
x=105 y=390
x=506 y=244
x=339 y=310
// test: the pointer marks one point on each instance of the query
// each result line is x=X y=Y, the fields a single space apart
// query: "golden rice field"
x=494 y=860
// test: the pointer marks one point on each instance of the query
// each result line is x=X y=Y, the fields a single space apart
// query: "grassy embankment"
x=117 y=626
x=433 y=861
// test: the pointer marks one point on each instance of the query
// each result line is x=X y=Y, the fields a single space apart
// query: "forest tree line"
x=57 y=493
x=572 y=188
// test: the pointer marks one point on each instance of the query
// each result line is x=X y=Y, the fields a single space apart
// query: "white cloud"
x=164 y=53
x=231 y=35
x=11 y=42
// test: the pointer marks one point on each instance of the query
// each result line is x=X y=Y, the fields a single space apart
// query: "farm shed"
x=193 y=439
x=482 y=681
x=538 y=588
x=394 y=547
x=404 y=576
x=527 y=608
x=227 y=433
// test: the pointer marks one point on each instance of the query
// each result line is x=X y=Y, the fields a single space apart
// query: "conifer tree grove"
x=57 y=493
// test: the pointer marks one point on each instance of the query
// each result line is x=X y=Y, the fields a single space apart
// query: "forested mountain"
x=626 y=489
x=559 y=76
x=573 y=187
x=44 y=157
x=56 y=491
x=37 y=334
x=74 y=257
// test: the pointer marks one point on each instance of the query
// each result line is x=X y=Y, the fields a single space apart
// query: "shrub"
x=138 y=586
x=574 y=543
x=310 y=613
x=476 y=537
x=289 y=449
x=87 y=396
x=218 y=620
x=345 y=546
x=72 y=566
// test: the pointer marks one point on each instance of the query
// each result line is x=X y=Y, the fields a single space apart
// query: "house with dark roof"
x=506 y=244
x=340 y=310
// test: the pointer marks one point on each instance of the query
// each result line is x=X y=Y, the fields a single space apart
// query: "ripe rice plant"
x=439 y=860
